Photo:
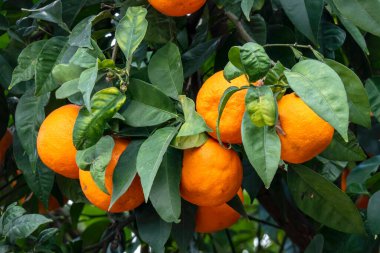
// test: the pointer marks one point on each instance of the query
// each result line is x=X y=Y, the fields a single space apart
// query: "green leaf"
x=49 y=56
x=27 y=60
x=275 y=74
x=192 y=141
x=96 y=159
x=261 y=106
x=125 y=171
x=355 y=33
x=263 y=148
x=81 y=34
x=339 y=150
x=194 y=123
x=46 y=234
x=246 y=7
x=63 y=73
x=316 y=245
x=151 y=154
x=323 y=91
x=87 y=82
x=356 y=94
x=38 y=177
x=131 y=30
x=5 y=72
x=222 y=104
x=11 y=213
x=25 y=225
x=323 y=201
x=363 y=14
x=147 y=106
x=257 y=27
x=165 y=195
x=372 y=87
x=28 y=118
x=363 y=171
x=84 y=58
x=165 y=70
x=51 y=13
x=71 y=189
x=152 y=229
x=67 y=89
x=89 y=127
x=231 y=72
x=373 y=213
x=305 y=16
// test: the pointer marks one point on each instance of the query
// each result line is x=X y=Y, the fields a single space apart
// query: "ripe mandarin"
x=177 y=8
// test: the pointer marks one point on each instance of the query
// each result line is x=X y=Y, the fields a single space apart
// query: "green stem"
x=289 y=45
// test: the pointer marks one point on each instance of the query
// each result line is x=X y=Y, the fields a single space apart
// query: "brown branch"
x=239 y=26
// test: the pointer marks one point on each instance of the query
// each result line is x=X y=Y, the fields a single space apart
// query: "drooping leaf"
x=257 y=27
x=192 y=141
x=27 y=60
x=323 y=201
x=261 y=106
x=67 y=89
x=81 y=34
x=125 y=171
x=263 y=148
x=322 y=90
x=89 y=127
x=165 y=70
x=131 y=30
x=150 y=156
x=63 y=73
x=49 y=56
x=339 y=150
x=96 y=159
x=373 y=213
x=372 y=87
x=363 y=171
x=231 y=72
x=86 y=84
x=165 y=195
x=147 y=106
x=331 y=38
x=246 y=7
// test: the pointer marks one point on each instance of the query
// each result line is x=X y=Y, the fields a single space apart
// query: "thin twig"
x=230 y=241
x=283 y=244
x=263 y=222
x=239 y=26
x=114 y=52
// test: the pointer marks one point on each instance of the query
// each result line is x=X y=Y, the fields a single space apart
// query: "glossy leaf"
x=147 y=106
x=373 y=213
x=27 y=60
x=150 y=156
x=323 y=201
x=96 y=159
x=67 y=89
x=261 y=106
x=81 y=34
x=63 y=73
x=89 y=127
x=263 y=148
x=165 y=70
x=131 y=30
x=246 y=7
x=125 y=171
x=49 y=56
x=339 y=150
x=86 y=84
x=165 y=195
x=231 y=72
x=323 y=91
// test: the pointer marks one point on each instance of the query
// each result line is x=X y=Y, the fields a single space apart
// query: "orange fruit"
x=55 y=141
x=131 y=199
x=177 y=8
x=306 y=135
x=211 y=219
x=53 y=205
x=362 y=202
x=5 y=143
x=343 y=181
x=208 y=101
x=211 y=175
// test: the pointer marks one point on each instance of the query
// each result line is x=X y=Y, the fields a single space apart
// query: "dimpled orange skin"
x=130 y=200
x=208 y=101
x=306 y=134
x=211 y=175
x=177 y=8
x=211 y=219
x=5 y=143
x=55 y=141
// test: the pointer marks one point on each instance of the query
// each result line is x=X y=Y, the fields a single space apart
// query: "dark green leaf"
x=5 y=73
x=81 y=34
x=86 y=84
x=125 y=171
x=63 y=73
x=147 y=106
x=131 y=30
x=323 y=201
x=331 y=38
x=67 y=89
x=256 y=28
x=355 y=33
x=373 y=90
x=263 y=148
x=323 y=91
x=165 y=195
x=71 y=189
x=27 y=60
x=89 y=127
x=49 y=56
x=183 y=231
x=165 y=70
x=246 y=7
x=255 y=61
x=47 y=234
x=373 y=213
x=96 y=159
x=363 y=171
x=236 y=204
x=151 y=154
x=316 y=245
x=25 y=225
x=261 y=106
x=9 y=215
x=231 y=72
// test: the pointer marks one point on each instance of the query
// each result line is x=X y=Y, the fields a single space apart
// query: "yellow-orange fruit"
x=131 y=199
x=177 y=8
x=5 y=143
x=208 y=101
x=211 y=219
x=55 y=141
x=211 y=175
x=306 y=135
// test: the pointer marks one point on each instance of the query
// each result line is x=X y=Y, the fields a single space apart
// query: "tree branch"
x=239 y=26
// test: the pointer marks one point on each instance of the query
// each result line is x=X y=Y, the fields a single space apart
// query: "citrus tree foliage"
x=136 y=73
